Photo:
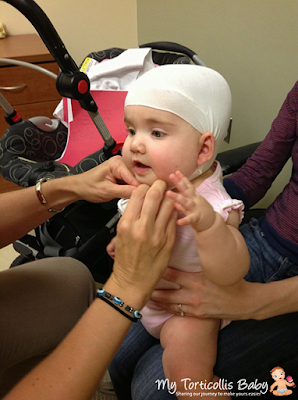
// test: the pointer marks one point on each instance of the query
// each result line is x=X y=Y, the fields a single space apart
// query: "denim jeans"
x=246 y=349
x=266 y=264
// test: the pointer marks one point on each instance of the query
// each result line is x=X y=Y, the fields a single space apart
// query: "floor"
x=7 y=256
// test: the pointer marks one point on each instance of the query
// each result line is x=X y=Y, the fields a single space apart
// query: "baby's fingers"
x=178 y=198
x=176 y=177
x=184 y=221
x=190 y=219
x=182 y=184
x=182 y=203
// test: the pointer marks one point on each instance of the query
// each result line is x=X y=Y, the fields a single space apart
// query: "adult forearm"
x=270 y=299
x=248 y=300
x=21 y=211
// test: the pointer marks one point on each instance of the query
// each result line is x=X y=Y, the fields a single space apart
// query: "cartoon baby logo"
x=280 y=386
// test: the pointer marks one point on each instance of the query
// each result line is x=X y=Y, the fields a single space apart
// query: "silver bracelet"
x=41 y=197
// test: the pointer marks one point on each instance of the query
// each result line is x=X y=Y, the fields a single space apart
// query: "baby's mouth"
x=140 y=167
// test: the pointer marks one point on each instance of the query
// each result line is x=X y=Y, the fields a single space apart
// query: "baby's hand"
x=197 y=211
x=111 y=248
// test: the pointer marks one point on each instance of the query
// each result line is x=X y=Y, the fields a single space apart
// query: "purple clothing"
x=253 y=179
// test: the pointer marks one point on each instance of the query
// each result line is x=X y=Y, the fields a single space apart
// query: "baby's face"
x=158 y=144
x=278 y=374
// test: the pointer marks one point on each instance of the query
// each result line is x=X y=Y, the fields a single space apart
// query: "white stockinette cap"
x=199 y=95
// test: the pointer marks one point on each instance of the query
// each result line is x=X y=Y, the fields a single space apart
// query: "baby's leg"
x=190 y=349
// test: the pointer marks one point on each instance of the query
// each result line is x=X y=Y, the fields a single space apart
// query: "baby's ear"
x=207 y=145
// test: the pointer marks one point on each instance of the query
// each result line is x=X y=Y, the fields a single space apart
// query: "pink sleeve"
x=226 y=206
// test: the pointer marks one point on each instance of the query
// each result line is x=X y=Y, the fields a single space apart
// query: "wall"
x=83 y=26
x=254 y=44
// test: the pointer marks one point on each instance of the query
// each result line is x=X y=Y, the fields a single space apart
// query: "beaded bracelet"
x=116 y=303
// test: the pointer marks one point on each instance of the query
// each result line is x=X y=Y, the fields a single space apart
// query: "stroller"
x=83 y=229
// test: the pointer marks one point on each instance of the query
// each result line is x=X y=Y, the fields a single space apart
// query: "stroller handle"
x=177 y=48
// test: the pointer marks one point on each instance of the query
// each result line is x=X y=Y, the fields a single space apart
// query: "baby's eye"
x=131 y=131
x=157 y=134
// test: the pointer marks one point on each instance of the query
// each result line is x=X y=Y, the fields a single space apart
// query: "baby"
x=281 y=383
x=177 y=117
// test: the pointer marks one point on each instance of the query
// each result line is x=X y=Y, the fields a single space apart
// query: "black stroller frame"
x=83 y=229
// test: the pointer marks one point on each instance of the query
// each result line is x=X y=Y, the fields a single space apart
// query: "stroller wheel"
x=20 y=260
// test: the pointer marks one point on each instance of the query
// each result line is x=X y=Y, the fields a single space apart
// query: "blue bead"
x=137 y=314
x=100 y=292
x=118 y=301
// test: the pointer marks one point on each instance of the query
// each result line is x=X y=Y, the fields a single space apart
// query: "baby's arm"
x=273 y=386
x=223 y=253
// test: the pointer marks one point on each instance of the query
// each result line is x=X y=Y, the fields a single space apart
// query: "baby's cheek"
x=163 y=172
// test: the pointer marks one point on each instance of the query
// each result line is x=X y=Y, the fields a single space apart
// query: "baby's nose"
x=137 y=145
